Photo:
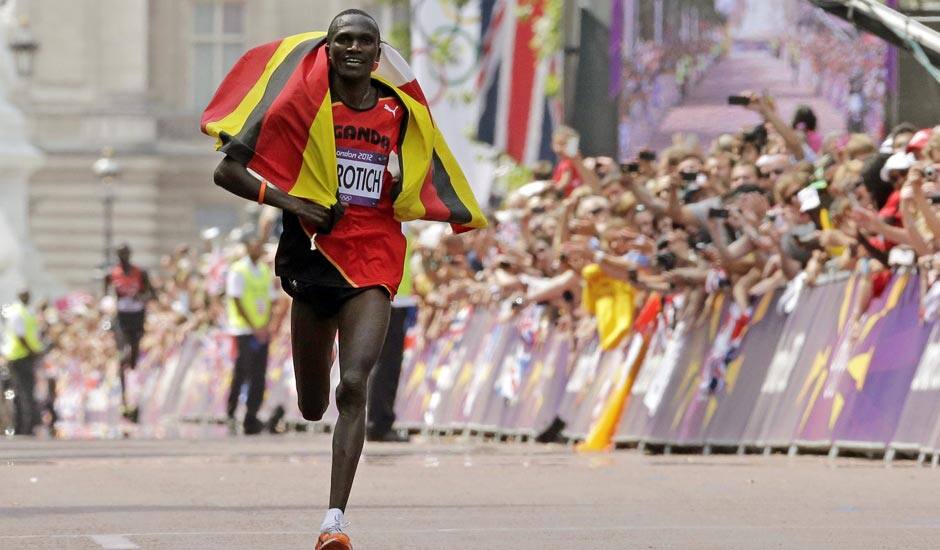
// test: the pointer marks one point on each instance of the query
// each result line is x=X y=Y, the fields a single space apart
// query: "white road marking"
x=113 y=542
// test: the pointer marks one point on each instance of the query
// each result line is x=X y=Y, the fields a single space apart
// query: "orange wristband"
x=264 y=187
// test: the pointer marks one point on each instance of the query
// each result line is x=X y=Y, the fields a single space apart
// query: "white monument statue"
x=19 y=262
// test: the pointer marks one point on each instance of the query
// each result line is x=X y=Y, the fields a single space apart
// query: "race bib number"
x=128 y=304
x=360 y=175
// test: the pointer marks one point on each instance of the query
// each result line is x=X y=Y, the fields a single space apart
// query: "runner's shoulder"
x=385 y=91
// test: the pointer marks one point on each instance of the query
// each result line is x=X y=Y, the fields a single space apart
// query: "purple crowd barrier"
x=801 y=376
x=921 y=414
x=684 y=383
x=799 y=358
x=869 y=373
x=745 y=375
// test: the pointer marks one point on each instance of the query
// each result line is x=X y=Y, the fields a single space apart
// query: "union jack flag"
x=516 y=116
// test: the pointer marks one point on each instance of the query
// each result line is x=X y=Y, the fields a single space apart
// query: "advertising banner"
x=541 y=388
x=451 y=374
x=660 y=360
x=481 y=396
x=584 y=372
x=459 y=369
x=685 y=382
x=745 y=375
x=613 y=367
x=797 y=372
x=862 y=395
x=921 y=412
x=879 y=377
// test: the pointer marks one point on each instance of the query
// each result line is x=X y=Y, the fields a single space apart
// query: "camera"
x=688 y=176
x=718 y=213
x=739 y=100
x=930 y=173
x=630 y=167
x=667 y=260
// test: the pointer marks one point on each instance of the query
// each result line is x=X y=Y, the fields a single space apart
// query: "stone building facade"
x=135 y=75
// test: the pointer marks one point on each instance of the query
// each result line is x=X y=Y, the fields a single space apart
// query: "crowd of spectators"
x=82 y=359
x=773 y=207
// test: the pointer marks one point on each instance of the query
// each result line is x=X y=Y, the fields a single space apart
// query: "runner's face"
x=355 y=48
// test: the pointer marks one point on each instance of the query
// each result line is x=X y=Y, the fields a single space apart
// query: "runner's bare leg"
x=312 y=339
x=363 y=321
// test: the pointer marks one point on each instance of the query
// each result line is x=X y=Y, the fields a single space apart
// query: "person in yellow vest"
x=250 y=294
x=21 y=348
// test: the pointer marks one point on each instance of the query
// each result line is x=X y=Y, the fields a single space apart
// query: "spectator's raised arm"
x=869 y=220
x=644 y=197
x=764 y=105
x=915 y=182
x=909 y=219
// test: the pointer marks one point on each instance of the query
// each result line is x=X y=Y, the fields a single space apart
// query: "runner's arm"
x=235 y=178
x=147 y=290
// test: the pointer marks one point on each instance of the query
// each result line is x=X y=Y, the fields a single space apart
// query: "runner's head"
x=353 y=43
x=124 y=254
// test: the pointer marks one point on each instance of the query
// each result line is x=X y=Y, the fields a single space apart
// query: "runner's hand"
x=314 y=214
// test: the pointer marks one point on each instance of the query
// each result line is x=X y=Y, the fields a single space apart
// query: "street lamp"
x=107 y=170
x=23 y=44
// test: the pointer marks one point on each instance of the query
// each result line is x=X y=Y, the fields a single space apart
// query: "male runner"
x=385 y=163
x=131 y=288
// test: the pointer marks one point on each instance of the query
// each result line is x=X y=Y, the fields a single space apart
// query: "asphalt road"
x=270 y=493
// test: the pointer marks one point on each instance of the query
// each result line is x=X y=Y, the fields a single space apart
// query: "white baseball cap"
x=898 y=161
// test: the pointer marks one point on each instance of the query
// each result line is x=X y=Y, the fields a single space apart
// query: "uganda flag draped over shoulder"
x=273 y=114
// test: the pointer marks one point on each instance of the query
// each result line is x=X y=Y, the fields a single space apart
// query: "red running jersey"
x=367 y=246
x=127 y=287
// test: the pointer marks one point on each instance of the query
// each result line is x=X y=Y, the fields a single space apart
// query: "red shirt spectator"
x=566 y=175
